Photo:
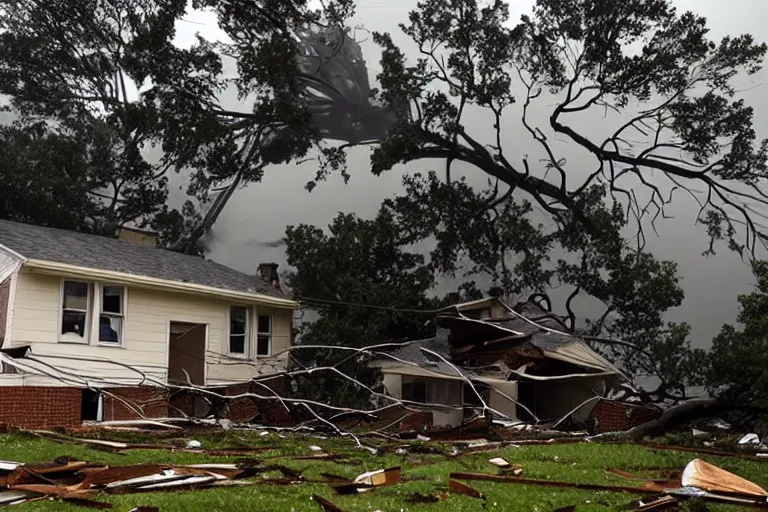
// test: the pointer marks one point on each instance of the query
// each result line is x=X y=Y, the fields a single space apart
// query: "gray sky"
x=261 y=212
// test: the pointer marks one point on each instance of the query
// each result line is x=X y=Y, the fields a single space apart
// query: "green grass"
x=424 y=474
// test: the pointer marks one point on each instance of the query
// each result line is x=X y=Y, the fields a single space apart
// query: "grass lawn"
x=425 y=474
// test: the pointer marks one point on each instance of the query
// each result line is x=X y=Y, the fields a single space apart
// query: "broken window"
x=75 y=306
x=111 y=317
x=415 y=391
x=91 y=405
x=238 y=330
x=264 y=336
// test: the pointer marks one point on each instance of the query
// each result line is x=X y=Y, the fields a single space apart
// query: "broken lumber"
x=552 y=483
x=326 y=505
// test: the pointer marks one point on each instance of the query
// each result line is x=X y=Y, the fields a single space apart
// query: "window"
x=415 y=391
x=264 y=336
x=111 y=317
x=74 y=309
x=238 y=330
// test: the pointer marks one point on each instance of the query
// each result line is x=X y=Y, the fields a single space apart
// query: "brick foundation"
x=615 y=416
x=40 y=407
x=239 y=410
x=123 y=403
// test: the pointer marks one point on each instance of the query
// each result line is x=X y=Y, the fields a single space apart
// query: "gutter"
x=50 y=267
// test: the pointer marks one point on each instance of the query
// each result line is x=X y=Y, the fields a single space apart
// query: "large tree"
x=739 y=356
x=357 y=275
x=490 y=237
x=114 y=63
x=668 y=87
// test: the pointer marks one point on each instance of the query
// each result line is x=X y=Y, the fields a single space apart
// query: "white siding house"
x=110 y=312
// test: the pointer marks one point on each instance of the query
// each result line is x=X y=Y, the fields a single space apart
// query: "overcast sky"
x=260 y=212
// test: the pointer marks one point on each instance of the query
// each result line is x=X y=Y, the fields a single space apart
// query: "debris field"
x=273 y=470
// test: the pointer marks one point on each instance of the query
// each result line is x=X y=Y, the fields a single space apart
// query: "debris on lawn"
x=462 y=488
x=703 y=475
x=381 y=477
x=78 y=482
x=662 y=503
x=506 y=467
x=326 y=505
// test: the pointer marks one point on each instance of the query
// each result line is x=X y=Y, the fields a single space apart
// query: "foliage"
x=111 y=66
x=78 y=178
x=739 y=357
x=669 y=85
x=358 y=262
x=497 y=238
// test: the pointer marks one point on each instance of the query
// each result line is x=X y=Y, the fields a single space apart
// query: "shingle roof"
x=98 y=252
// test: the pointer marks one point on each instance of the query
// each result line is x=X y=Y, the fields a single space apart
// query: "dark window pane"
x=112 y=300
x=110 y=328
x=262 y=345
x=265 y=323
x=73 y=322
x=415 y=391
x=75 y=295
x=237 y=344
x=238 y=320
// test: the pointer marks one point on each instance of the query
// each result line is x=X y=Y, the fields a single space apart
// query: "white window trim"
x=257 y=334
x=95 y=326
x=64 y=338
x=248 y=332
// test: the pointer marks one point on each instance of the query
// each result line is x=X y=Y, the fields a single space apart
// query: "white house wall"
x=148 y=314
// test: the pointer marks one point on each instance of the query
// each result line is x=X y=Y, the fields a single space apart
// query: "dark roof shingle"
x=98 y=252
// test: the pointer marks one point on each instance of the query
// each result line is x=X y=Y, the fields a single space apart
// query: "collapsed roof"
x=501 y=345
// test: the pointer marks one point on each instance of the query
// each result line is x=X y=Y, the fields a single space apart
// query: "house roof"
x=113 y=255
x=544 y=333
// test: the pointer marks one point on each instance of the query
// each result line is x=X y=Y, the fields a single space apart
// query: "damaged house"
x=523 y=370
x=95 y=328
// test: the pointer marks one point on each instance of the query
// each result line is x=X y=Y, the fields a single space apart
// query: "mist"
x=260 y=212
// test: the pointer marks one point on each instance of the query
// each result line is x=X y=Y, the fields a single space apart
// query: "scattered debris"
x=382 y=477
x=315 y=448
x=662 y=503
x=326 y=505
x=703 y=475
x=462 y=488
x=749 y=439
x=506 y=467
x=552 y=483
x=194 y=445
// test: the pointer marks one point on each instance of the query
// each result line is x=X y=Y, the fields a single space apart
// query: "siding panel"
x=145 y=344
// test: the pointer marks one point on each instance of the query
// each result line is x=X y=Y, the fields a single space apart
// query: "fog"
x=260 y=212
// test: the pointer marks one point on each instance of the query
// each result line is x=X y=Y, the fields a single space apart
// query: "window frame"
x=71 y=338
x=99 y=299
x=246 y=335
x=270 y=334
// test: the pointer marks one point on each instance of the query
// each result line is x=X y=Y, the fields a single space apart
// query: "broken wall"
x=498 y=402
x=553 y=399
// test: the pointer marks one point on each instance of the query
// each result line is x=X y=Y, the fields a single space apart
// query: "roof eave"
x=55 y=268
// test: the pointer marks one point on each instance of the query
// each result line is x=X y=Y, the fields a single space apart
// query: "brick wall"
x=39 y=407
x=122 y=403
x=5 y=289
x=615 y=416
x=240 y=410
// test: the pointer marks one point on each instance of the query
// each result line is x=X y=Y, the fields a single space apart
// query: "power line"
x=309 y=301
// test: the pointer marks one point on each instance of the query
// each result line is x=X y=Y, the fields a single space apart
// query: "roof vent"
x=138 y=236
